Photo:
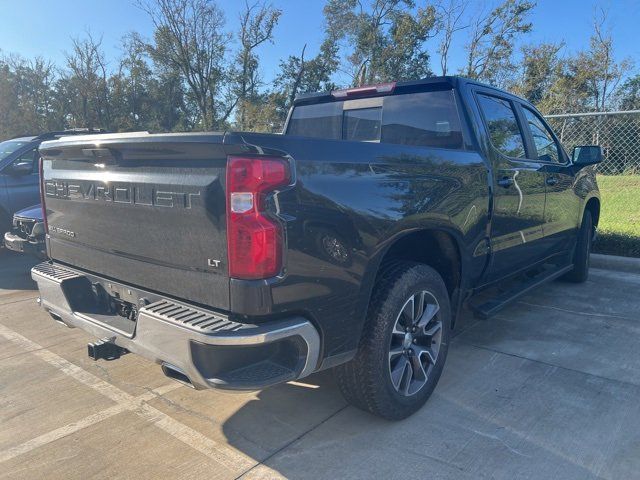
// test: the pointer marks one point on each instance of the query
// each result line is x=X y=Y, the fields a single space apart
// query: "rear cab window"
x=421 y=119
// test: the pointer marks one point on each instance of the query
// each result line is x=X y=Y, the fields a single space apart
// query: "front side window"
x=546 y=147
x=323 y=120
x=502 y=125
x=428 y=119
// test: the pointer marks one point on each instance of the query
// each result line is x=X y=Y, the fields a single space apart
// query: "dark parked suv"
x=242 y=260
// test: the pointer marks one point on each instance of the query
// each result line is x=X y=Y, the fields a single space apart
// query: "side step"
x=497 y=303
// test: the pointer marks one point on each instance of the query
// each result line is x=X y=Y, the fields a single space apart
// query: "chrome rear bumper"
x=204 y=346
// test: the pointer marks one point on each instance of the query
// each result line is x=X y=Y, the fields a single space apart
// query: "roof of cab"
x=410 y=86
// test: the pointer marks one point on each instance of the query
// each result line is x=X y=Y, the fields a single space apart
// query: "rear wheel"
x=582 y=254
x=404 y=343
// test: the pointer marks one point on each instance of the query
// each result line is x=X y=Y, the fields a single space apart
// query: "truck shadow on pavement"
x=518 y=395
x=16 y=271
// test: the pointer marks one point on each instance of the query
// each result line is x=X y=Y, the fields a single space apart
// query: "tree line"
x=199 y=71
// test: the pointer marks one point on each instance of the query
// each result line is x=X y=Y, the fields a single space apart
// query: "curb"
x=614 y=262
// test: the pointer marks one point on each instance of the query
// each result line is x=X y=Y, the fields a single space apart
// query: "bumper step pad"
x=202 y=320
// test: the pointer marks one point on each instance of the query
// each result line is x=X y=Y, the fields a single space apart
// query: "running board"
x=497 y=303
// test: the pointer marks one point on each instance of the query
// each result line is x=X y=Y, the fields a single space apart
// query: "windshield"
x=10 y=146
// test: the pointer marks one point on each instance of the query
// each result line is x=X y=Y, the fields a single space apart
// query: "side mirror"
x=587 y=155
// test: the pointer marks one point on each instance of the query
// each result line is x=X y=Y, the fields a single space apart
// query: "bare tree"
x=297 y=77
x=603 y=72
x=490 y=47
x=450 y=22
x=257 y=22
x=87 y=78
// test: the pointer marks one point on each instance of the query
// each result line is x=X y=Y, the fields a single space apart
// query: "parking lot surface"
x=549 y=388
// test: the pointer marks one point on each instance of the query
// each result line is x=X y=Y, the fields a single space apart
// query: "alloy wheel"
x=415 y=343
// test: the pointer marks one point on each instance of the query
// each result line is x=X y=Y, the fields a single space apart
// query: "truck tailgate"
x=148 y=210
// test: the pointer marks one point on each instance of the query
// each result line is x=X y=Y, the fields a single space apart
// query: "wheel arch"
x=593 y=205
x=438 y=247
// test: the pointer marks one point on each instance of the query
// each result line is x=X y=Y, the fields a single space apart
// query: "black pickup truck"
x=242 y=260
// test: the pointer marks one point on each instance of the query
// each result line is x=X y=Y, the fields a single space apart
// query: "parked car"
x=243 y=260
x=19 y=184
x=27 y=232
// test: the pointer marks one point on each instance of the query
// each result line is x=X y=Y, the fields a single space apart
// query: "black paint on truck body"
x=150 y=210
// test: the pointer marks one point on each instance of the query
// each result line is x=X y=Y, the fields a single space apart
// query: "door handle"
x=551 y=181
x=505 y=182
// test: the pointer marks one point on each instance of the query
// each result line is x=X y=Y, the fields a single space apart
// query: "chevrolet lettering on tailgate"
x=146 y=195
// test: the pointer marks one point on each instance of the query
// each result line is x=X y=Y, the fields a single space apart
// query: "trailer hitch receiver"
x=105 y=349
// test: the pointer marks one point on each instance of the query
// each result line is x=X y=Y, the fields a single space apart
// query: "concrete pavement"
x=549 y=388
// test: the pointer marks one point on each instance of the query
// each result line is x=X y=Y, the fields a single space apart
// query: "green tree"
x=491 y=43
x=601 y=72
x=27 y=96
x=133 y=105
x=257 y=22
x=384 y=40
x=628 y=95
x=189 y=39
x=540 y=68
x=300 y=75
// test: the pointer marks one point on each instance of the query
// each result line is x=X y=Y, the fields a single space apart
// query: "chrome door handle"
x=551 y=181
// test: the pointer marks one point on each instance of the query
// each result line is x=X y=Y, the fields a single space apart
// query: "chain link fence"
x=618 y=133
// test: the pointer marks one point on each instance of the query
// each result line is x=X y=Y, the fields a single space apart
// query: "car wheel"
x=582 y=254
x=404 y=343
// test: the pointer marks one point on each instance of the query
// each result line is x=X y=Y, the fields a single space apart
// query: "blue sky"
x=44 y=27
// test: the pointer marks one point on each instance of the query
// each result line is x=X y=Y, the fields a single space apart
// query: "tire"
x=378 y=379
x=581 y=256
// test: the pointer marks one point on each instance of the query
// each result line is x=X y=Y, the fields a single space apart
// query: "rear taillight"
x=44 y=207
x=255 y=240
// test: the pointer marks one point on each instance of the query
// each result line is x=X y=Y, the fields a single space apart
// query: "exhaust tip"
x=59 y=319
x=176 y=374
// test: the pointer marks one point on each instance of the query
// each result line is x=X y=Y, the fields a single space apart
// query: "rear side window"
x=502 y=124
x=422 y=119
x=428 y=119
x=323 y=120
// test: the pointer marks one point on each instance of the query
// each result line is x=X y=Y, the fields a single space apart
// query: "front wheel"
x=582 y=254
x=404 y=344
